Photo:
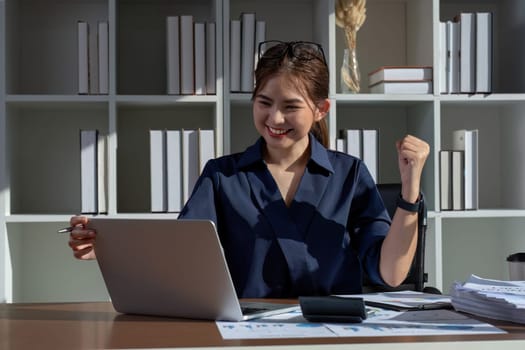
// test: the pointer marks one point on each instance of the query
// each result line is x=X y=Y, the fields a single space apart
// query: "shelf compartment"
x=394 y=120
x=501 y=166
x=41 y=44
x=141 y=38
x=43 y=144
x=394 y=33
x=508 y=55
x=133 y=125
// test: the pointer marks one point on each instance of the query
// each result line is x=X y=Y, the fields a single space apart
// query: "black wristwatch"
x=411 y=207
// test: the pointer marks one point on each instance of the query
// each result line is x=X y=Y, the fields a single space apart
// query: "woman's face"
x=283 y=115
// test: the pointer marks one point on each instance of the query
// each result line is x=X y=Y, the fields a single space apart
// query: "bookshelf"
x=41 y=114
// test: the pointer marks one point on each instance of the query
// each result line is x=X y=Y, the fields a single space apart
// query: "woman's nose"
x=276 y=116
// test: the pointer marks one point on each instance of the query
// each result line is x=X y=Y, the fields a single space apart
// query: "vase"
x=350 y=76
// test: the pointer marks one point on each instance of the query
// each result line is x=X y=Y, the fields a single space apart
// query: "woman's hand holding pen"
x=81 y=240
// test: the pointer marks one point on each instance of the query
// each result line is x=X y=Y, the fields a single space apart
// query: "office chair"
x=416 y=277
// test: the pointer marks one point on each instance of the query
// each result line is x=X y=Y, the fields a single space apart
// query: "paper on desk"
x=379 y=323
x=502 y=300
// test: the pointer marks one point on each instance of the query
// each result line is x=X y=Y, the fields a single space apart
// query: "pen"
x=65 y=230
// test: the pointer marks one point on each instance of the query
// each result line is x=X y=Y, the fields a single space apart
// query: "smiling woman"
x=295 y=218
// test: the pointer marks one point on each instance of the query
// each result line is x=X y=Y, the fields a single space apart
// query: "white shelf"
x=42 y=113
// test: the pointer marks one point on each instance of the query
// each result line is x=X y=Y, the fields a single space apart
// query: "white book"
x=445 y=179
x=158 y=170
x=93 y=61
x=402 y=87
x=260 y=36
x=443 y=61
x=458 y=189
x=467 y=141
x=370 y=151
x=211 y=74
x=453 y=56
x=190 y=162
x=103 y=57
x=206 y=147
x=173 y=55
x=102 y=174
x=400 y=73
x=235 y=55
x=187 y=84
x=83 y=57
x=340 y=145
x=354 y=143
x=88 y=171
x=247 y=51
x=174 y=170
x=467 y=54
x=484 y=52
x=200 y=58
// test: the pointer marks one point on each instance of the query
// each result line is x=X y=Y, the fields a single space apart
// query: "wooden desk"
x=97 y=325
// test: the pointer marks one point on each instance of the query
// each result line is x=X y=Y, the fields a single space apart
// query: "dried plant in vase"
x=350 y=16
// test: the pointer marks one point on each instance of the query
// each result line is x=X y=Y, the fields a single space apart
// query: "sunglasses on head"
x=301 y=50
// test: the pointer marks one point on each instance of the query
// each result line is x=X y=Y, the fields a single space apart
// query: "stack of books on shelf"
x=466 y=53
x=93 y=172
x=362 y=144
x=93 y=58
x=500 y=300
x=245 y=35
x=401 y=80
x=190 y=56
x=458 y=169
x=177 y=157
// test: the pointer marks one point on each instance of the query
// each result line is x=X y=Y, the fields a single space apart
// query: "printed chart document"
x=379 y=322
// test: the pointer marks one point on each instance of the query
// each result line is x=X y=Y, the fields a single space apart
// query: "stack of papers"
x=501 y=300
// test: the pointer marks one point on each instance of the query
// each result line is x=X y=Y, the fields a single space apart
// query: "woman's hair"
x=305 y=64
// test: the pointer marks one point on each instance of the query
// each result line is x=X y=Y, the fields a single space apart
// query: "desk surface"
x=99 y=326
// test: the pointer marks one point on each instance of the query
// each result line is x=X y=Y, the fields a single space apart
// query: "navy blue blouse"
x=319 y=245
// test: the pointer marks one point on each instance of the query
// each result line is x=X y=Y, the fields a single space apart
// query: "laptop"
x=171 y=267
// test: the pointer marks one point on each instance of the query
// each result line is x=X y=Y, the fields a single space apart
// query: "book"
x=467 y=141
x=190 y=162
x=235 y=55
x=354 y=143
x=247 y=51
x=402 y=87
x=200 y=58
x=484 y=52
x=88 y=171
x=370 y=151
x=83 y=57
x=445 y=180
x=93 y=61
x=158 y=170
x=443 y=58
x=211 y=73
x=467 y=55
x=458 y=189
x=187 y=83
x=102 y=174
x=340 y=145
x=453 y=56
x=103 y=57
x=260 y=36
x=172 y=55
x=173 y=171
x=206 y=147
x=400 y=73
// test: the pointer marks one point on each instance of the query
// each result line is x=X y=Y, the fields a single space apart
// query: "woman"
x=295 y=218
